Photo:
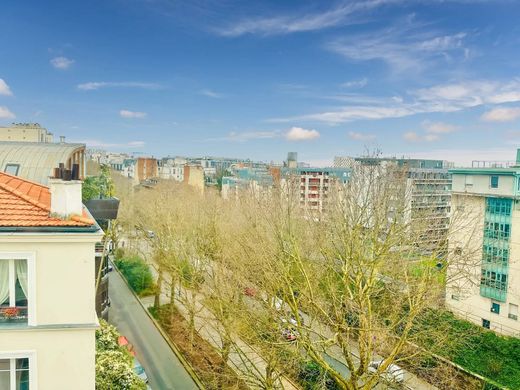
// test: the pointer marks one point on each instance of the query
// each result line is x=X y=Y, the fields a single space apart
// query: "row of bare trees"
x=350 y=284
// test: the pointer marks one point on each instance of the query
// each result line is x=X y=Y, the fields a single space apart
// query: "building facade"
x=484 y=247
x=25 y=132
x=314 y=185
x=47 y=305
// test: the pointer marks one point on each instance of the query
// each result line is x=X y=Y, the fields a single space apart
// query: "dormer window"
x=12 y=169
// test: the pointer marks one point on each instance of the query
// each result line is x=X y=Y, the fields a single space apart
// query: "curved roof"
x=36 y=160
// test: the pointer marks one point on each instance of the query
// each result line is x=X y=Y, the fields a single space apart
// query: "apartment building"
x=26 y=132
x=484 y=246
x=314 y=184
x=425 y=185
x=47 y=303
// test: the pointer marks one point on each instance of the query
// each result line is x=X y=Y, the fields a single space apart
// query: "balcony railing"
x=13 y=314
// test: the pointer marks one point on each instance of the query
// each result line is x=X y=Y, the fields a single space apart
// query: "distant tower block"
x=292 y=160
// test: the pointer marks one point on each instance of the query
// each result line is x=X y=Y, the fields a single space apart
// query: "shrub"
x=114 y=371
x=312 y=377
x=137 y=273
x=113 y=363
x=106 y=337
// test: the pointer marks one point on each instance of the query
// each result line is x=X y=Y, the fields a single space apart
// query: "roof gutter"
x=50 y=229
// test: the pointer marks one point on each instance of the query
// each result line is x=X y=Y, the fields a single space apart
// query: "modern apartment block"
x=484 y=247
x=426 y=186
x=25 y=132
x=47 y=269
x=314 y=184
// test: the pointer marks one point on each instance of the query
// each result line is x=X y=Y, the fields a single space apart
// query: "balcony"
x=13 y=315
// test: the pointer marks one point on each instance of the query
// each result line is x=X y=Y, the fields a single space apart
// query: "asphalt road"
x=164 y=370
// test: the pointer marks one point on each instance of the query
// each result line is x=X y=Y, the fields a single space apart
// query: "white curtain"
x=21 y=272
x=4 y=280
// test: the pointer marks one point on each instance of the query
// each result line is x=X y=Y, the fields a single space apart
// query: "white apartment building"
x=47 y=297
x=484 y=247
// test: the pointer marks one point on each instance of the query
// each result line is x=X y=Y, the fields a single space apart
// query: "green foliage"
x=98 y=187
x=137 y=273
x=114 y=371
x=472 y=347
x=114 y=366
x=106 y=337
x=312 y=377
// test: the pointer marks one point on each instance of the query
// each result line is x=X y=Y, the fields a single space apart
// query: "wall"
x=63 y=335
x=463 y=289
x=481 y=185
x=64 y=358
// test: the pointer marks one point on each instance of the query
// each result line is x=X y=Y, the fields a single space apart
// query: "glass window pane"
x=5 y=375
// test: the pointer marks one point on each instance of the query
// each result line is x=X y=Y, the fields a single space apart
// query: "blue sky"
x=437 y=79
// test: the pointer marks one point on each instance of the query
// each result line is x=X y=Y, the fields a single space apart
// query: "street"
x=164 y=370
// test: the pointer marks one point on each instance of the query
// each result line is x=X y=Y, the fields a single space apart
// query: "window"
x=485 y=323
x=494 y=280
x=455 y=297
x=495 y=308
x=494 y=181
x=12 y=169
x=13 y=290
x=14 y=374
x=513 y=311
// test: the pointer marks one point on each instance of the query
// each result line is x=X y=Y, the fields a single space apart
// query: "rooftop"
x=24 y=203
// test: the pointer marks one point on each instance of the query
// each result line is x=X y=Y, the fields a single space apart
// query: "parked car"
x=250 y=291
x=393 y=372
x=290 y=334
x=139 y=370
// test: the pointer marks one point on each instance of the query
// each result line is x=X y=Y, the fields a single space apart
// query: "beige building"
x=25 y=132
x=47 y=297
x=484 y=247
x=194 y=176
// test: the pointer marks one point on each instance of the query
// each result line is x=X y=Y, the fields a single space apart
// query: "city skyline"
x=244 y=80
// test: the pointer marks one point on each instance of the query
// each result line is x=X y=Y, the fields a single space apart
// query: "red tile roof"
x=24 y=203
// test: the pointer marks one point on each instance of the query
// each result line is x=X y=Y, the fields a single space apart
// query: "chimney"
x=65 y=197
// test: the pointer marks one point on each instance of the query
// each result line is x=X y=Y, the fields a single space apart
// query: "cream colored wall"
x=481 y=185
x=65 y=275
x=464 y=272
x=64 y=358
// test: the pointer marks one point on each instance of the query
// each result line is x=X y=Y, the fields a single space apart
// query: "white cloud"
x=94 y=85
x=412 y=136
x=439 y=127
x=439 y=98
x=355 y=83
x=132 y=114
x=402 y=48
x=61 y=62
x=4 y=88
x=502 y=114
x=287 y=24
x=301 y=134
x=361 y=136
x=5 y=113
x=211 y=94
